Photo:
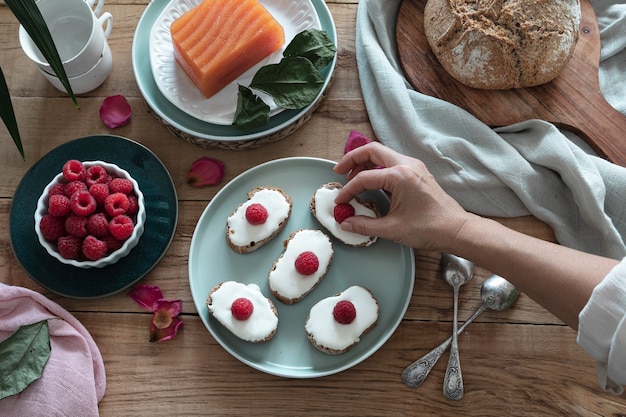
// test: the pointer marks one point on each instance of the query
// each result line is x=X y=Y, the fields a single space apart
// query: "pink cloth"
x=73 y=380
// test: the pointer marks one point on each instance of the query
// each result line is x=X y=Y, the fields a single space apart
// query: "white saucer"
x=294 y=15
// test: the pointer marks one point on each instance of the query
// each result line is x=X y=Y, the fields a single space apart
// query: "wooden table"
x=519 y=362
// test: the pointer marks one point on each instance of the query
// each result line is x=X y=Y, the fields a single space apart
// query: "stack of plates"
x=179 y=105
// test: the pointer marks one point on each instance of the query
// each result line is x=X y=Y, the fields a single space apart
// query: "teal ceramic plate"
x=189 y=124
x=161 y=218
x=386 y=268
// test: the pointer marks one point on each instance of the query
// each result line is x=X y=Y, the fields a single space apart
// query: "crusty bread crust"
x=509 y=44
x=367 y=203
x=331 y=351
x=287 y=300
x=252 y=246
x=209 y=301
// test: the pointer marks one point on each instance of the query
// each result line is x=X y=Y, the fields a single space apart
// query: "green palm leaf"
x=7 y=114
x=28 y=14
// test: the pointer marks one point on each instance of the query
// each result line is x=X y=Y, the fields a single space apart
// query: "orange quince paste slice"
x=218 y=40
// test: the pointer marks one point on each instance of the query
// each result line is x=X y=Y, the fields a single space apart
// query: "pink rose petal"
x=205 y=171
x=115 y=111
x=355 y=139
x=168 y=333
x=164 y=309
x=146 y=296
x=165 y=323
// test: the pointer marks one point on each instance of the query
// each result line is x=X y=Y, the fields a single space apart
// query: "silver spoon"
x=456 y=271
x=496 y=294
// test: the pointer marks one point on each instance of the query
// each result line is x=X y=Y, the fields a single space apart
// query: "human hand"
x=421 y=215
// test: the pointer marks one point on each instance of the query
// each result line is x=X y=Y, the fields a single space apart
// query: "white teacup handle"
x=107 y=19
x=99 y=5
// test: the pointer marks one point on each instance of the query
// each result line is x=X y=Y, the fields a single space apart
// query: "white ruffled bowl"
x=131 y=242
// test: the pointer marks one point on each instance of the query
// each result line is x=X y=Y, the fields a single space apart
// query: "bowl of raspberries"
x=90 y=215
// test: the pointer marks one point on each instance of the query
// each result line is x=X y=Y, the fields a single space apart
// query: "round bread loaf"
x=500 y=44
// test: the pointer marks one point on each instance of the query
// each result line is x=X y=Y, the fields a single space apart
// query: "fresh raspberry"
x=94 y=248
x=121 y=185
x=100 y=192
x=52 y=228
x=95 y=174
x=72 y=187
x=112 y=243
x=307 y=263
x=98 y=225
x=83 y=203
x=57 y=188
x=116 y=204
x=242 y=308
x=59 y=205
x=344 y=312
x=69 y=246
x=73 y=170
x=256 y=214
x=121 y=227
x=343 y=211
x=76 y=225
x=133 y=208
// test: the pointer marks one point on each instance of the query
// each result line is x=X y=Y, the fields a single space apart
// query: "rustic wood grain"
x=572 y=100
x=519 y=362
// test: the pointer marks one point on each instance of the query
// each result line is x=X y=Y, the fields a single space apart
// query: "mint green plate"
x=192 y=125
x=386 y=268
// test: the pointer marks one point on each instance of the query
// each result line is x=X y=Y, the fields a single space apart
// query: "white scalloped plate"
x=294 y=15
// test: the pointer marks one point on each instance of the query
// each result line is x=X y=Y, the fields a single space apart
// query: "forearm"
x=559 y=278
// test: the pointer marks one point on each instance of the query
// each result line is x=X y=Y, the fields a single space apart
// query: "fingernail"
x=346 y=225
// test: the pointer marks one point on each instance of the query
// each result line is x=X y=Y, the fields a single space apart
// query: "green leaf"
x=23 y=355
x=252 y=112
x=8 y=115
x=28 y=14
x=293 y=83
x=313 y=44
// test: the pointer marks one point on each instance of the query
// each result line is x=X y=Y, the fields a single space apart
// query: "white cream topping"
x=243 y=233
x=285 y=280
x=327 y=332
x=324 y=212
x=258 y=326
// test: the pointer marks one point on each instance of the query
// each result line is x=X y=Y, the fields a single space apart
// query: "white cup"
x=79 y=32
x=87 y=81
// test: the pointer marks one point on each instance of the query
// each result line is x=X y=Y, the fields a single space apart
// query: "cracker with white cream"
x=302 y=266
x=322 y=207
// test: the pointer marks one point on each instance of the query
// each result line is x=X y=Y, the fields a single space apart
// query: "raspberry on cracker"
x=335 y=324
x=258 y=220
x=302 y=266
x=243 y=310
x=330 y=215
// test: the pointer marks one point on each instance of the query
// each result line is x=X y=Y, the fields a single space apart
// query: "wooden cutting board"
x=572 y=100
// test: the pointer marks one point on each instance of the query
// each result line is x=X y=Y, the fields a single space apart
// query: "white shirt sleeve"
x=602 y=329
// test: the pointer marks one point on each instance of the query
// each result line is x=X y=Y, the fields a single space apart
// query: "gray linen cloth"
x=527 y=168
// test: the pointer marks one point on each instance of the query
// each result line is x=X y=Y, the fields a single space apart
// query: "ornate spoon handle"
x=453 y=381
x=414 y=374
